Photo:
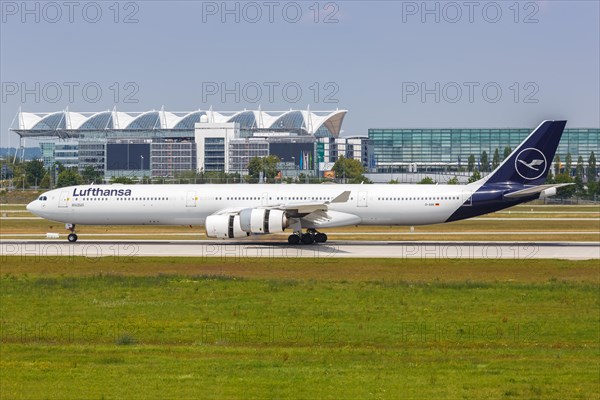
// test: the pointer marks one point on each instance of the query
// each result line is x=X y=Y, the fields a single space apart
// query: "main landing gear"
x=72 y=236
x=311 y=236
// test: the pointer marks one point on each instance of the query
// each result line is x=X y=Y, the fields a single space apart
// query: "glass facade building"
x=241 y=151
x=66 y=153
x=443 y=148
x=214 y=154
x=168 y=158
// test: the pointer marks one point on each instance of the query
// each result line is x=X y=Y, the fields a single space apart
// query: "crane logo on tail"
x=530 y=163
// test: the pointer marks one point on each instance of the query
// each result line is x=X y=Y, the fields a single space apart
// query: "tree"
x=45 y=182
x=580 y=169
x=267 y=165
x=426 y=181
x=471 y=163
x=557 y=165
x=475 y=177
x=91 y=175
x=592 y=168
x=6 y=172
x=350 y=170
x=593 y=190
x=255 y=167
x=34 y=172
x=270 y=167
x=20 y=182
x=484 y=161
x=565 y=191
x=453 y=181
x=507 y=152
x=121 y=179
x=568 y=164
x=69 y=177
x=550 y=177
x=496 y=159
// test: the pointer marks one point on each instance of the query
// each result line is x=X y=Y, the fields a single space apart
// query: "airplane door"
x=467 y=198
x=264 y=199
x=63 y=200
x=191 y=199
x=362 y=199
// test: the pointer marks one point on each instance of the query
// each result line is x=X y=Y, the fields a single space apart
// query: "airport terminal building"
x=163 y=144
x=414 y=150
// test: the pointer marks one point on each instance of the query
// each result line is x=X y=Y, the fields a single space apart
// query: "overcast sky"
x=390 y=64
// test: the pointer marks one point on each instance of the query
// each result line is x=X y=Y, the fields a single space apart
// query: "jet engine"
x=260 y=220
x=224 y=227
x=548 y=193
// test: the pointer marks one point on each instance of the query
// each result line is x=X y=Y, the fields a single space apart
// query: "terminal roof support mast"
x=115 y=117
x=19 y=116
x=259 y=122
x=308 y=122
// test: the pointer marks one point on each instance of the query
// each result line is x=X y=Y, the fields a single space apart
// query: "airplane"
x=241 y=210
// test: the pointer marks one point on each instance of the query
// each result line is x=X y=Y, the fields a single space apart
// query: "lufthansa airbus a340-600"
x=241 y=210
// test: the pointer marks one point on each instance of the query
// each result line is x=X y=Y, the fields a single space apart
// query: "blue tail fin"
x=530 y=162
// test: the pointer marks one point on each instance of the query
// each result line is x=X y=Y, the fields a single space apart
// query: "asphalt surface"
x=341 y=249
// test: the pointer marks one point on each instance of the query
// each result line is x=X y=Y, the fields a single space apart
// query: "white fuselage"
x=377 y=204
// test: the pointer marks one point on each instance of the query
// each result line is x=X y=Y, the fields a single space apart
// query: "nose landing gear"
x=72 y=236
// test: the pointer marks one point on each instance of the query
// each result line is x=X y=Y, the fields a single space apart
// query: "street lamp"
x=142 y=168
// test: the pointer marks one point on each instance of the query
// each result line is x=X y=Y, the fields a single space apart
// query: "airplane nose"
x=30 y=206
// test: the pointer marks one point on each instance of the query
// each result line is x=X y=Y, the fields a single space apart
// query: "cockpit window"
x=43 y=198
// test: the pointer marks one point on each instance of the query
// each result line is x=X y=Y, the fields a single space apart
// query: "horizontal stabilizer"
x=534 y=190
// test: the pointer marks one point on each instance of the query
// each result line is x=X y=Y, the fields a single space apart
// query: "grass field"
x=271 y=328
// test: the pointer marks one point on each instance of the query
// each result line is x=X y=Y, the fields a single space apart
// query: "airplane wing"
x=294 y=209
x=534 y=190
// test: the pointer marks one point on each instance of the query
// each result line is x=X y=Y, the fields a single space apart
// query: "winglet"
x=342 y=198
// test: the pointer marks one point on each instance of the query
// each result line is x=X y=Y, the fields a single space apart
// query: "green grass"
x=274 y=328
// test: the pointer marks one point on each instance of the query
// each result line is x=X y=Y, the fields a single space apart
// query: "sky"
x=394 y=64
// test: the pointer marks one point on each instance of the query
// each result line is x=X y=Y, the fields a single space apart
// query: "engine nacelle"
x=224 y=227
x=548 y=193
x=260 y=220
